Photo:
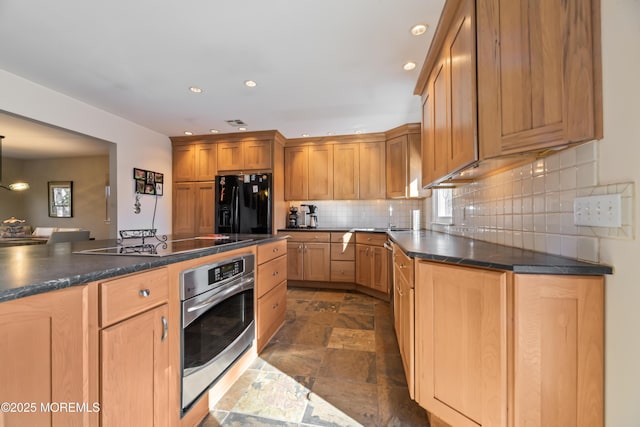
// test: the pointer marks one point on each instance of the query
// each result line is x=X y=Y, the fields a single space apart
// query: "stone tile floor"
x=335 y=362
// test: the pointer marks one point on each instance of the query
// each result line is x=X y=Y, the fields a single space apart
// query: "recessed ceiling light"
x=419 y=29
x=305 y=135
x=195 y=89
x=188 y=133
x=329 y=133
x=250 y=83
x=214 y=130
x=408 y=66
x=242 y=128
x=358 y=131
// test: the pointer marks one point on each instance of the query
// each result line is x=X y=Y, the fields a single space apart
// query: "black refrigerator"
x=243 y=204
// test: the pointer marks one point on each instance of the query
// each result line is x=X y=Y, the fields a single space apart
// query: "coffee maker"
x=313 y=216
x=293 y=217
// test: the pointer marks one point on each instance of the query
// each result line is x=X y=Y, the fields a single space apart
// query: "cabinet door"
x=461 y=344
x=184 y=205
x=205 y=210
x=559 y=353
x=363 y=265
x=257 y=154
x=320 y=172
x=534 y=94
x=346 y=171
x=184 y=162
x=428 y=137
x=206 y=165
x=441 y=120
x=404 y=326
x=317 y=262
x=135 y=366
x=45 y=358
x=372 y=170
x=296 y=170
x=397 y=166
x=462 y=69
x=295 y=262
x=379 y=269
x=230 y=156
x=270 y=313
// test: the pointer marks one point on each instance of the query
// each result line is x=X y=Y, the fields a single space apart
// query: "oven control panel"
x=225 y=271
x=197 y=280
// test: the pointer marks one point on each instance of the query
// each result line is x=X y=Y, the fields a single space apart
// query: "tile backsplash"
x=531 y=206
x=365 y=213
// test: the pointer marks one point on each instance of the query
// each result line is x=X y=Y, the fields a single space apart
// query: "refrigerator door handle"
x=236 y=208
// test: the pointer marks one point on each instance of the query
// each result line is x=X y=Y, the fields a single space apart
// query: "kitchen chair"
x=68 y=236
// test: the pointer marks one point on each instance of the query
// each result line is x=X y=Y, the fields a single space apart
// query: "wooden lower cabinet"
x=493 y=348
x=46 y=359
x=309 y=256
x=558 y=351
x=134 y=350
x=403 y=313
x=134 y=384
x=193 y=208
x=372 y=270
x=270 y=290
x=461 y=344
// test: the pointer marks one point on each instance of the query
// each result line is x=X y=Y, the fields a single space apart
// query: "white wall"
x=136 y=146
x=620 y=161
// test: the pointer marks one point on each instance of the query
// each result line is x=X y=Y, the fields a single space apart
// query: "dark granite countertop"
x=33 y=269
x=342 y=229
x=444 y=247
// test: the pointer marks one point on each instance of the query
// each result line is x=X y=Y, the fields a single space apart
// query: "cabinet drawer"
x=343 y=252
x=403 y=265
x=128 y=296
x=269 y=251
x=271 y=313
x=270 y=274
x=375 y=239
x=309 y=236
x=344 y=237
x=343 y=271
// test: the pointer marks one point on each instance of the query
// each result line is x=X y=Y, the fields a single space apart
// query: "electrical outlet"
x=598 y=211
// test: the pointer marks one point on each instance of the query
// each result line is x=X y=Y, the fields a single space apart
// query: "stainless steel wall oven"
x=217 y=321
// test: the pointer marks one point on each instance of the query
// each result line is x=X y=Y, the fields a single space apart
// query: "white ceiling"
x=321 y=66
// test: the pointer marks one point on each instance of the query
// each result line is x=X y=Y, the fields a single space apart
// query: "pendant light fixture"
x=16 y=186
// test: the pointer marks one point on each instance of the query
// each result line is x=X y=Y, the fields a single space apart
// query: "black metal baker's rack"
x=143 y=245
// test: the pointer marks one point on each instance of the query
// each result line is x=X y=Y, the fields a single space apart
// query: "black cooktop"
x=162 y=248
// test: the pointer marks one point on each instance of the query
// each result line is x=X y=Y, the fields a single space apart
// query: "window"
x=442 y=201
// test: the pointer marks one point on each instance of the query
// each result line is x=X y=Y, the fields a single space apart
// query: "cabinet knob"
x=276 y=305
x=275 y=250
x=144 y=293
x=275 y=273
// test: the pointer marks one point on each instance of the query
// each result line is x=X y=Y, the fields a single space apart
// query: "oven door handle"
x=240 y=286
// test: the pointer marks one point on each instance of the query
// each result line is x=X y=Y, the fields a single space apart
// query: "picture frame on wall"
x=60 y=199
x=148 y=182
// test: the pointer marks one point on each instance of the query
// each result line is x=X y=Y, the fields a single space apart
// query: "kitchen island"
x=94 y=340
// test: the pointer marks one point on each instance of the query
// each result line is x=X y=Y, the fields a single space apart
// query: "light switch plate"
x=598 y=211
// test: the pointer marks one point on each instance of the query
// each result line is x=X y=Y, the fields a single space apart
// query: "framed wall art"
x=60 y=199
x=148 y=182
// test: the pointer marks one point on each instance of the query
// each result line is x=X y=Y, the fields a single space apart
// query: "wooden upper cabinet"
x=320 y=185
x=184 y=162
x=296 y=170
x=403 y=162
x=372 y=170
x=257 y=154
x=463 y=148
x=250 y=154
x=230 y=157
x=539 y=74
x=194 y=162
x=397 y=167
x=346 y=171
